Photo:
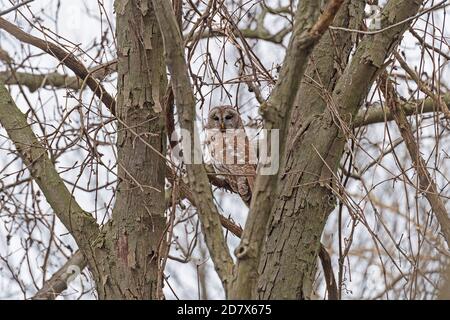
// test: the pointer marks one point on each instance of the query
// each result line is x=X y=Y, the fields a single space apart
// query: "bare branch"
x=80 y=224
x=426 y=182
x=427 y=45
x=378 y=114
x=13 y=8
x=197 y=176
x=59 y=281
x=55 y=80
x=64 y=57
x=330 y=280
x=276 y=112
x=185 y=192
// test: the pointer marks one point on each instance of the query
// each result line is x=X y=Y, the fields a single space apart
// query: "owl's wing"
x=246 y=183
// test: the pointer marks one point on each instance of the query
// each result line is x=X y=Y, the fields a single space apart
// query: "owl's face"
x=223 y=118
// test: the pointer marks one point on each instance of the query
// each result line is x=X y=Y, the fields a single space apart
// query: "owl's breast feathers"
x=233 y=159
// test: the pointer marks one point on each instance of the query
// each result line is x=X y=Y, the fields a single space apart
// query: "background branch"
x=276 y=112
x=426 y=182
x=378 y=114
x=198 y=179
x=59 y=281
x=65 y=57
x=80 y=224
x=15 y=7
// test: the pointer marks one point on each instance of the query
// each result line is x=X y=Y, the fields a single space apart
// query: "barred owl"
x=230 y=150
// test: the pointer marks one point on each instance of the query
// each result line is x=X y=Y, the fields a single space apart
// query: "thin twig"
x=13 y=8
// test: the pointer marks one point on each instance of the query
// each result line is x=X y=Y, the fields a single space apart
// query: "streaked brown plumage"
x=230 y=150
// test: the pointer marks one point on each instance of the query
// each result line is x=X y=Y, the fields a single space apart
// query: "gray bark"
x=305 y=197
x=130 y=262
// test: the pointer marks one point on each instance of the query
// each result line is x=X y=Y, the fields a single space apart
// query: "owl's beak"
x=222 y=125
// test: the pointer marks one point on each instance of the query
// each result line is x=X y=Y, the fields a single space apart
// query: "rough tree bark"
x=305 y=198
x=198 y=179
x=123 y=255
x=135 y=234
x=308 y=29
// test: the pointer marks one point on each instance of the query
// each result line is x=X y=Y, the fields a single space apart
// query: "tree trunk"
x=133 y=238
x=315 y=145
x=288 y=264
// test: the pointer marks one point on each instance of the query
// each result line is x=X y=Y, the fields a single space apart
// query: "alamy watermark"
x=72 y=272
x=374 y=17
x=231 y=147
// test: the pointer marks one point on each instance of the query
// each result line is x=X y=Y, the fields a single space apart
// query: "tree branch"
x=260 y=34
x=307 y=32
x=370 y=56
x=198 y=179
x=354 y=84
x=374 y=114
x=59 y=281
x=79 y=223
x=66 y=58
x=330 y=280
x=185 y=192
x=56 y=80
x=13 y=8
x=379 y=114
x=426 y=182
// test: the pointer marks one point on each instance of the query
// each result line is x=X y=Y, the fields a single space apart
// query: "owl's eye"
x=228 y=117
x=216 y=118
